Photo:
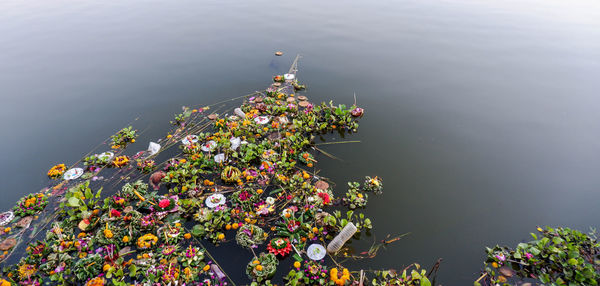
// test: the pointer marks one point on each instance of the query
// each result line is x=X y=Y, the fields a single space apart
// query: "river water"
x=481 y=116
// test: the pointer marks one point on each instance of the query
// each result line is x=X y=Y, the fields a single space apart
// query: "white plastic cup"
x=339 y=240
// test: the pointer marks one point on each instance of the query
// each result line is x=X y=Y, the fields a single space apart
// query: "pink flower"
x=528 y=255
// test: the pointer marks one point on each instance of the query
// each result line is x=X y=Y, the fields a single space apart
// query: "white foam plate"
x=73 y=174
x=316 y=252
x=215 y=200
x=262 y=119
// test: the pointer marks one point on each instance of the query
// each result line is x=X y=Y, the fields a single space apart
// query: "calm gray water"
x=482 y=116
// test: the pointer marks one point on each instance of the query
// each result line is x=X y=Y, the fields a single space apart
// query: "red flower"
x=164 y=203
x=325 y=197
x=115 y=213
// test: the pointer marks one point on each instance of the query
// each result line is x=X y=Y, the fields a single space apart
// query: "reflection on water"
x=481 y=116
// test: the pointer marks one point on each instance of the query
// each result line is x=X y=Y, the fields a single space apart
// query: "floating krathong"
x=230 y=174
x=357 y=112
x=280 y=246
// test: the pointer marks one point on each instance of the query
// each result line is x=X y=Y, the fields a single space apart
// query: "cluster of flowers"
x=244 y=180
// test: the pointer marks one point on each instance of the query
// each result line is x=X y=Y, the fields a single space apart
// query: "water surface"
x=482 y=116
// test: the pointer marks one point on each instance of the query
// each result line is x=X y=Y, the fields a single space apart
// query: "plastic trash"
x=235 y=142
x=217 y=271
x=73 y=174
x=238 y=111
x=153 y=148
x=347 y=232
x=6 y=217
x=220 y=158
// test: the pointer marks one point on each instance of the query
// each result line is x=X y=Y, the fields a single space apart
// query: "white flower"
x=270 y=200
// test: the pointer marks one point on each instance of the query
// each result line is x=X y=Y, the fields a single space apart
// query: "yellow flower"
x=7 y=230
x=108 y=233
x=206 y=267
x=121 y=161
x=4 y=282
x=333 y=276
x=259 y=267
x=26 y=270
x=126 y=239
x=297 y=264
x=56 y=171
x=221 y=236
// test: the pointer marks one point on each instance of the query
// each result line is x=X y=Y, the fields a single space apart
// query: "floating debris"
x=73 y=174
x=279 y=53
x=6 y=217
x=244 y=175
x=8 y=244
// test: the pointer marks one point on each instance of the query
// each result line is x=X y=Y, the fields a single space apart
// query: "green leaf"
x=73 y=202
